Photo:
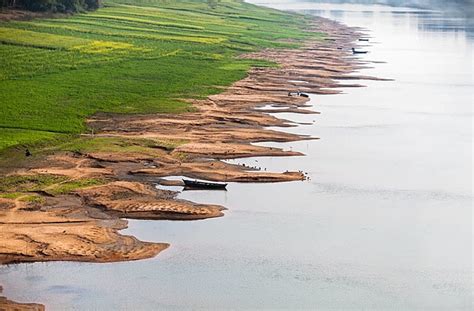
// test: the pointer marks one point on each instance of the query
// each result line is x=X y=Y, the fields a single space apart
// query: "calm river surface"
x=385 y=223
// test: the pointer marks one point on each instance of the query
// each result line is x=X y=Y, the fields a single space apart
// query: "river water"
x=385 y=223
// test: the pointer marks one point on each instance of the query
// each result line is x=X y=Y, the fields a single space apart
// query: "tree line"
x=61 y=6
x=65 y=6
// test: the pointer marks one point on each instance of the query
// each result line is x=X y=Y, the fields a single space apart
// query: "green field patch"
x=126 y=33
x=195 y=23
x=131 y=56
x=32 y=198
x=28 y=183
x=14 y=137
x=11 y=195
x=85 y=23
x=52 y=41
x=119 y=144
x=16 y=186
x=76 y=184
x=60 y=102
x=104 y=47
x=34 y=39
x=145 y=21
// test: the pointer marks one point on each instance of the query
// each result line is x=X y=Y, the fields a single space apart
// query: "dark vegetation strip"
x=64 y=6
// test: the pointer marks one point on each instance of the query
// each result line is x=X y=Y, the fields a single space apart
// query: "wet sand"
x=9 y=305
x=85 y=225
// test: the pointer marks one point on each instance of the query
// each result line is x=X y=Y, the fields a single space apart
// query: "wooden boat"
x=354 y=51
x=298 y=94
x=194 y=184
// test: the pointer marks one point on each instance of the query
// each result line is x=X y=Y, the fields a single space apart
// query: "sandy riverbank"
x=84 y=225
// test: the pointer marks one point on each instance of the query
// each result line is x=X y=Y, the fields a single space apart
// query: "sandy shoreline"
x=85 y=225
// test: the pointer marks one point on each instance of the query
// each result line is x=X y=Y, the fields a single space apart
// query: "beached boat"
x=194 y=184
x=298 y=94
x=354 y=51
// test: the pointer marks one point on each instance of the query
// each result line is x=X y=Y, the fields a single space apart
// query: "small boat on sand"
x=354 y=51
x=202 y=185
x=298 y=94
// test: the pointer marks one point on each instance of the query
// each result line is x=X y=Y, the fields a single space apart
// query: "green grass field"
x=131 y=56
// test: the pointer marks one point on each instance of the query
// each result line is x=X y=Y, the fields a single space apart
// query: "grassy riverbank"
x=136 y=56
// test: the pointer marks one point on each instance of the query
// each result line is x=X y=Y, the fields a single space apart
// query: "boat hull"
x=191 y=184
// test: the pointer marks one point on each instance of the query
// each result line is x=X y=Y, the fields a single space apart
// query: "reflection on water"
x=385 y=223
x=452 y=16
